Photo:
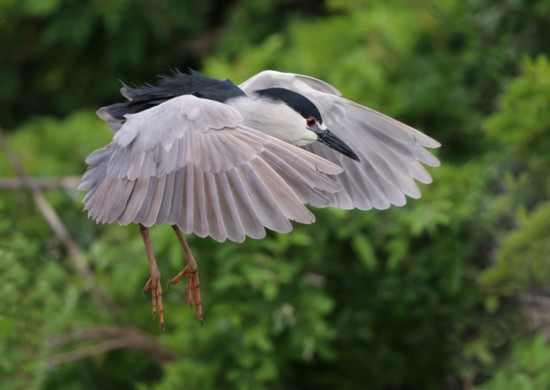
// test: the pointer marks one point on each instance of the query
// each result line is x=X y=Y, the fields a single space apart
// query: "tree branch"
x=63 y=182
x=107 y=339
x=76 y=256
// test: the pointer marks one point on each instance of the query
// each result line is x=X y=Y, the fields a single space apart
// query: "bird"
x=213 y=158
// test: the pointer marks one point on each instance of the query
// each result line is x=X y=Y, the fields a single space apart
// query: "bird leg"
x=153 y=284
x=192 y=272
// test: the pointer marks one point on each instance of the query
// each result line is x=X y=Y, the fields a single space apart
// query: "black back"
x=171 y=86
x=294 y=100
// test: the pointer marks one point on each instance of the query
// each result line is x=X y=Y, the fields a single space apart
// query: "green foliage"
x=522 y=130
x=525 y=369
x=424 y=296
x=39 y=298
x=527 y=95
x=522 y=259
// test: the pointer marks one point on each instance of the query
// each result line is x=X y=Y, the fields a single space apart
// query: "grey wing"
x=190 y=163
x=391 y=153
x=293 y=81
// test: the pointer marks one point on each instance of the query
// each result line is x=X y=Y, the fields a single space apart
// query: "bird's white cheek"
x=306 y=138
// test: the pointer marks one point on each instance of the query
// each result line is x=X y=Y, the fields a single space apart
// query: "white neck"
x=273 y=118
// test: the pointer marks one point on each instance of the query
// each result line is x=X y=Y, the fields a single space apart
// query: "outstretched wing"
x=190 y=162
x=391 y=153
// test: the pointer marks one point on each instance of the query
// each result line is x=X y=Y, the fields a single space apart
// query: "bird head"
x=310 y=118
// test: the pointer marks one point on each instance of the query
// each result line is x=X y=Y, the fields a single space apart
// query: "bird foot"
x=193 y=287
x=153 y=285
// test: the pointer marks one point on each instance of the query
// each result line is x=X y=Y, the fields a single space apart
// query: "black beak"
x=333 y=142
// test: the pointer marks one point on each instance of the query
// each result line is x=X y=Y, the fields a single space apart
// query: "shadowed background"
x=450 y=291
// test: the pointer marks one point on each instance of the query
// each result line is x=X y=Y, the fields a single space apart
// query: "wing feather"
x=147 y=200
x=167 y=197
x=99 y=155
x=297 y=180
x=216 y=222
x=121 y=191
x=267 y=209
x=401 y=163
x=200 y=226
x=363 y=192
x=231 y=217
x=391 y=153
x=133 y=203
x=247 y=212
x=178 y=197
x=156 y=202
x=187 y=210
x=283 y=195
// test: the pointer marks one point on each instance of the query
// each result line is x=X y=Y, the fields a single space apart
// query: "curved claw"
x=177 y=278
x=192 y=286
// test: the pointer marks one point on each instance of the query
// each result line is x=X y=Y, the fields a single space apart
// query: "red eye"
x=311 y=121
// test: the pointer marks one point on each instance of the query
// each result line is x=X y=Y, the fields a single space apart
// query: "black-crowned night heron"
x=215 y=159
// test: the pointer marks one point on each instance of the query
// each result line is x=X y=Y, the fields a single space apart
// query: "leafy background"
x=449 y=292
